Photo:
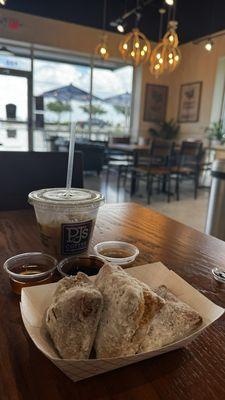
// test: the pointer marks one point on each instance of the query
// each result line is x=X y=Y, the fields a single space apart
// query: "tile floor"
x=188 y=210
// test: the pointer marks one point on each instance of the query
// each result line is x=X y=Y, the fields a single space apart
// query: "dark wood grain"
x=196 y=372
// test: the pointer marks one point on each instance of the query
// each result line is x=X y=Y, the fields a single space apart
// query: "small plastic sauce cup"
x=30 y=269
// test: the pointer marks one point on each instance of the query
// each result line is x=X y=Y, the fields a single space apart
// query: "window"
x=66 y=89
x=111 y=102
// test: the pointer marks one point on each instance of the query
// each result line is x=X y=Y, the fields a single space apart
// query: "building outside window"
x=40 y=100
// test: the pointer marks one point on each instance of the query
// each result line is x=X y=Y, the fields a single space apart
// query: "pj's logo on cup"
x=75 y=237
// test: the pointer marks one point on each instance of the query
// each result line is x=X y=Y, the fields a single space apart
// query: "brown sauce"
x=25 y=270
x=115 y=253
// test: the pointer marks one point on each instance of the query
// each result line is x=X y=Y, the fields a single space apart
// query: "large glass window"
x=66 y=89
x=111 y=102
x=60 y=92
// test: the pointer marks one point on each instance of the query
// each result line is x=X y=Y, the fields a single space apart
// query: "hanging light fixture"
x=135 y=48
x=166 y=56
x=157 y=63
x=172 y=54
x=102 y=48
x=2 y=2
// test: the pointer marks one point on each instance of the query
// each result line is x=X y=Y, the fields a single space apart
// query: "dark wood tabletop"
x=193 y=373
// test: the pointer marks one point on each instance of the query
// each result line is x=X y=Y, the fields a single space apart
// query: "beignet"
x=129 y=306
x=73 y=317
x=174 y=321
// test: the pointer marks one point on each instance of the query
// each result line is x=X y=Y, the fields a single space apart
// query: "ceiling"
x=196 y=18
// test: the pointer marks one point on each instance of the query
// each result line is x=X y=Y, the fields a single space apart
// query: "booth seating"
x=22 y=172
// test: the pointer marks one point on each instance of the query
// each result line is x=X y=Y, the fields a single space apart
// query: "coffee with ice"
x=66 y=219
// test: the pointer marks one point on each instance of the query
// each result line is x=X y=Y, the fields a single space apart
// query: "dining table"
x=194 y=372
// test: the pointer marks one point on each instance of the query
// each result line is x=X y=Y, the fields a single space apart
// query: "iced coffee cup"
x=66 y=219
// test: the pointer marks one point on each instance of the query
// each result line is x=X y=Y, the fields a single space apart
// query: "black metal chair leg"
x=150 y=182
x=107 y=177
x=178 y=187
x=118 y=180
x=168 y=188
x=196 y=179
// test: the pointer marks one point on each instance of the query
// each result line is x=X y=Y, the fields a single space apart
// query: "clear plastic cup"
x=66 y=219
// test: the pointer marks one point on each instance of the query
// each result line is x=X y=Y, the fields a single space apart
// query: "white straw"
x=70 y=158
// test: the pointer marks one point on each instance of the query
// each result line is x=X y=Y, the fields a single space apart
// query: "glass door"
x=15 y=111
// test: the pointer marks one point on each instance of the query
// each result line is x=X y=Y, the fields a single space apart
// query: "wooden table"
x=194 y=373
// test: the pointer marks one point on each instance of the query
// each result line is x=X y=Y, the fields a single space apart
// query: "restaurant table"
x=192 y=373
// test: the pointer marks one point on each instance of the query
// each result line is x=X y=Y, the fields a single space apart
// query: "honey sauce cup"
x=30 y=269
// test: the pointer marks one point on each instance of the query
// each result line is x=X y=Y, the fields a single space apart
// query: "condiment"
x=115 y=253
x=27 y=270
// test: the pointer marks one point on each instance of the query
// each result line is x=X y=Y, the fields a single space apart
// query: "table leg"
x=133 y=177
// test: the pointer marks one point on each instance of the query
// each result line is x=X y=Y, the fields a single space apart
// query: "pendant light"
x=157 y=61
x=172 y=55
x=135 y=48
x=102 y=48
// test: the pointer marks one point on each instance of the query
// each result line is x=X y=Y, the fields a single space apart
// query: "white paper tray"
x=36 y=299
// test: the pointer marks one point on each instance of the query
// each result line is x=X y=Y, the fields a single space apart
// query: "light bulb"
x=176 y=58
x=158 y=56
x=103 y=50
x=171 y=38
x=145 y=48
x=132 y=53
x=120 y=28
x=169 y=2
x=160 y=61
x=142 y=53
x=2 y=2
x=171 y=61
x=170 y=55
x=125 y=47
x=157 y=66
x=136 y=44
x=208 y=45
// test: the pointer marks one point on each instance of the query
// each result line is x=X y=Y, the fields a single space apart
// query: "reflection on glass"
x=13 y=113
x=64 y=88
x=113 y=91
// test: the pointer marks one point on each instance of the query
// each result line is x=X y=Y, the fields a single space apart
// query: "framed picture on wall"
x=189 y=102
x=155 y=102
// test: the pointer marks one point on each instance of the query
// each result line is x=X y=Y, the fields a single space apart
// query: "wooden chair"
x=22 y=172
x=188 y=165
x=155 y=168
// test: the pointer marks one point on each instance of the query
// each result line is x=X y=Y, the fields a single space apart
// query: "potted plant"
x=168 y=130
x=215 y=132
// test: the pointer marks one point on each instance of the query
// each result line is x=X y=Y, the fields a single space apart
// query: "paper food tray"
x=36 y=299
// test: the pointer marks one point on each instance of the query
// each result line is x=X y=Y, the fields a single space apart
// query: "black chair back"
x=190 y=153
x=22 y=172
x=160 y=152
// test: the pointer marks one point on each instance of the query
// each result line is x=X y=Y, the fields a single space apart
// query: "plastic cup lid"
x=64 y=197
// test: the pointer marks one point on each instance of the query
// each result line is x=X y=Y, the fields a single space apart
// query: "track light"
x=121 y=27
x=169 y=2
x=209 y=45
